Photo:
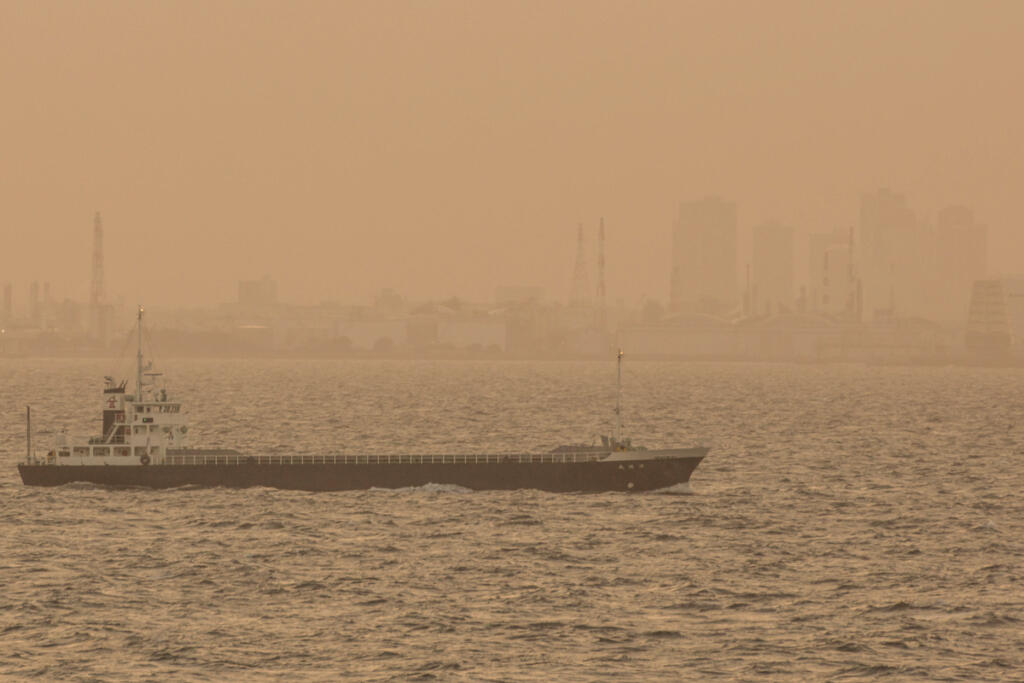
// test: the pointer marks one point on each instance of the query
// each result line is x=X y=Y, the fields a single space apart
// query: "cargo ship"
x=144 y=442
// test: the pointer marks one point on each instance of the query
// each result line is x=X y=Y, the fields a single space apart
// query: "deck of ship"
x=369 y=459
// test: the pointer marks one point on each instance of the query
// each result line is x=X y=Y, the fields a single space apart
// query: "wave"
x=682 y=489
x=429 y=487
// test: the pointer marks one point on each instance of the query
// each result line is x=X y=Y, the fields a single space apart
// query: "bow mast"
x=138 y=375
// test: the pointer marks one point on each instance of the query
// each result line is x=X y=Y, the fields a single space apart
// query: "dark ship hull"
x=632 y=471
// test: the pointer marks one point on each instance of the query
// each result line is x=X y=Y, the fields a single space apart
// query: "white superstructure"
x=138 y=429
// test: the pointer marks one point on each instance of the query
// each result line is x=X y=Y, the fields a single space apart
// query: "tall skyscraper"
x=703 y=274
x=837 y=283
x=772 y=275
x=890 y=259
x=960 y=257
x=817 y=245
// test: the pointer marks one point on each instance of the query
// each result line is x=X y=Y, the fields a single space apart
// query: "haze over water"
x=849 y=523
x=446 y=148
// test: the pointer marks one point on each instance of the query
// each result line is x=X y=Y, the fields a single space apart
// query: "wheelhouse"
x=137 y=429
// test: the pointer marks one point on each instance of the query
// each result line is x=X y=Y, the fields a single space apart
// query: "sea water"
x=850 y=522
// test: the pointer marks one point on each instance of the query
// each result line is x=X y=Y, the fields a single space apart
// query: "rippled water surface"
x=850 y=522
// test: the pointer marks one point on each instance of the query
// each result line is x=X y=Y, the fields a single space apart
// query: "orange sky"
x=444 y=148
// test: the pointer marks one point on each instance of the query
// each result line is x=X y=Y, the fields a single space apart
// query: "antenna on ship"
x=138 y=376
x=618 y=400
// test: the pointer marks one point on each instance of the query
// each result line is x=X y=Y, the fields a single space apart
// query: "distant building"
x=988 y=321
x=995 y=319
x=421 y=330
x=1013 y=291
x=380 y=335
x=69 y=316
x=890 y=258
x=483 y=333
x=818 y=280
x=517 y=294
x=703 y=276
x=837 y=286
x=261 y=292
x=683 y=335
x=959 y=248
x=772 y=288
x=389 y=301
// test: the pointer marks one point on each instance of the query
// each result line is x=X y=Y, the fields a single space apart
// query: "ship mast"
x=618 y=400
x=138 y=376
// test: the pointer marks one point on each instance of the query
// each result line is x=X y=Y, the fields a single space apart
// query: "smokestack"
x=747 y=303
x=602 y=312
x=96 y=293
x=850 y=247
x=579 y=296
x=33 y=302
x=892 y=291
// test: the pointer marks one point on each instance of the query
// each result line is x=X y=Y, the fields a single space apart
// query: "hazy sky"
x=443 y=148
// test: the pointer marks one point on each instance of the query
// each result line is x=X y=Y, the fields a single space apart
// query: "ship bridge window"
x=122 y=451
x=100 y=451
x=64 y=452
x=81 y=451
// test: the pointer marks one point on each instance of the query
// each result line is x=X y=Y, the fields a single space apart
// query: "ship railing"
x=425 y=459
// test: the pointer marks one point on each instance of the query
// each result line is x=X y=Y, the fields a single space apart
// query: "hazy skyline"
x=445 y=148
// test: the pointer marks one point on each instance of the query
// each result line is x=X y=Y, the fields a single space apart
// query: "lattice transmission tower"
x=580 y=295
x=96 y=293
